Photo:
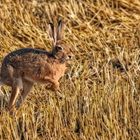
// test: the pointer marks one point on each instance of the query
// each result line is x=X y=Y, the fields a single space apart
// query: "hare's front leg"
x=54 y=84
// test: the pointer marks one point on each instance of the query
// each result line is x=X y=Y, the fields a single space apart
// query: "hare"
x=22 y=68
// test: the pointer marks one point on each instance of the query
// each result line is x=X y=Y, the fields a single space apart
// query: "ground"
x=100 y=90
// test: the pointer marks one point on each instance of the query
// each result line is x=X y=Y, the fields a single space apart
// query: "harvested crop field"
x=101 y=88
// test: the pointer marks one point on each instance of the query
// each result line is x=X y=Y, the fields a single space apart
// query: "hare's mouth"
x=64 y=59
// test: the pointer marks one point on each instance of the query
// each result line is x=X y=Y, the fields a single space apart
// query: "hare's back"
x=27 y=59
x=25 y=51
x=22 y=53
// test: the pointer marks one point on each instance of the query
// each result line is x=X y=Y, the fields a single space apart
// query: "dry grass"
x=100 y=101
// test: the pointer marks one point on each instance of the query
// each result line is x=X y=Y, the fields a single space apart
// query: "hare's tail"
x=10 y=71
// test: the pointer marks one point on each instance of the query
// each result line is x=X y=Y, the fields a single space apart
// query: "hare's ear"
x=60 y=29
x=52 y=33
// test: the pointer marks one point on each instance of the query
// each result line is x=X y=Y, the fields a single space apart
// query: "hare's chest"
x=58 y=71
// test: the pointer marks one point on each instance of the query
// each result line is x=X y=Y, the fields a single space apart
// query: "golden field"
x=101 y=89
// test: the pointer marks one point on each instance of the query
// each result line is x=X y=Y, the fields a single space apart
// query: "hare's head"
x=60 y=50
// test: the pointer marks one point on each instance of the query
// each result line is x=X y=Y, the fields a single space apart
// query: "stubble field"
x=101 y=88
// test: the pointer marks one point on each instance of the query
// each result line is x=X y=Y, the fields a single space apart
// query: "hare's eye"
x=59 y=48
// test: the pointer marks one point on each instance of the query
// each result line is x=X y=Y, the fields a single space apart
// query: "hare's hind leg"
x=1 y=94
x=27 y=86
x=16 y=87
x=1 y=84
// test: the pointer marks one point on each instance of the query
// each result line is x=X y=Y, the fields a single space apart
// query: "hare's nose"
x=69 y=56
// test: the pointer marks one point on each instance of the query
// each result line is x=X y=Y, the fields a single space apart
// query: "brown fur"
x=24 y=67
